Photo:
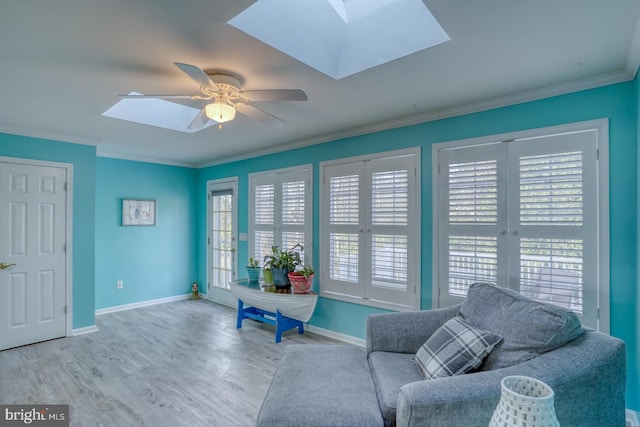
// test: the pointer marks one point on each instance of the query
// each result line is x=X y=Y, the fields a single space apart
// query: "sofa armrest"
x=404 y=332
x=589 y=372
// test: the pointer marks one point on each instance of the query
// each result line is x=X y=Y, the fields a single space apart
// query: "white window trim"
x=415 y=270
x=603 y=237
x=308 y=225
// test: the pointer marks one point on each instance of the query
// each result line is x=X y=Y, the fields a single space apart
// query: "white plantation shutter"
x=263 y=218
x=521 y=214
x=280 y=211
x=553 y=209
x=551 y=193
x=296 y=215
x=470 y=180
x=343 y=218
x=370 y=230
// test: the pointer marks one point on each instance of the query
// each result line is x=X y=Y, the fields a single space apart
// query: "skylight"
x=342 y=37
x=155 y=112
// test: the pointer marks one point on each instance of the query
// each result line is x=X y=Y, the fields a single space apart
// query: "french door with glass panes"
x=221 y=241
x=523 y=214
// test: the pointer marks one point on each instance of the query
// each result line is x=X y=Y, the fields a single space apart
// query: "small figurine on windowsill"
x=194 y=291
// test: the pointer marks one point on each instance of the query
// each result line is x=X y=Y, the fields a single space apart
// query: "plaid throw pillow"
x=454 y=349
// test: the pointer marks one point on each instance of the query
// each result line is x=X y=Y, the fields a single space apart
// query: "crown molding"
x=145 y=159
x=52 y=136
x=633 y=55
x=476 y=107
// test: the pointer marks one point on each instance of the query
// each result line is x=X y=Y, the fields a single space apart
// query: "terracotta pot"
x=300 y=284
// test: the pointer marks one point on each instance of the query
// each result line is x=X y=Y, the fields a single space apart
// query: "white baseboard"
x=335 y=335
x=147 y=303
x=631 y=419
x=86 y=330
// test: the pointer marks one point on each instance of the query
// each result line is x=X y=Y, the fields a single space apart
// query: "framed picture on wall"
x=138 y=212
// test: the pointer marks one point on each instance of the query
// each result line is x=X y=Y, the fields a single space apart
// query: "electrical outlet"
x=119 y=284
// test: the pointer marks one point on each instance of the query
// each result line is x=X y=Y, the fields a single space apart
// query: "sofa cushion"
x=454 y=349
x=528 y=328
x=390 y=371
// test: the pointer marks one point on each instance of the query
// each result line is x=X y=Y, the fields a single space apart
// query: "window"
x=370 y=230
x=280 y=203
x=528 y=212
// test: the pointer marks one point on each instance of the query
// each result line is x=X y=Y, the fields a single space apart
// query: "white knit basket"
x=525 y=402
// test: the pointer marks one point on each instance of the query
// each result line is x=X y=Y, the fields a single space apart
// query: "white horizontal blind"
x=369 y=231
x=473 y=192
x=521 y=214
x=551 y=189
x=472 y=259
x=551 y=270
x=554 y=215
x=470 y=215
x=390 y=183
x=263 y=218
x=280 y=211
x=343 y=228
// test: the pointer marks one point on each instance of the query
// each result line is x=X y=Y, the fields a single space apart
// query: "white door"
x=221 y=239
x=32 y=252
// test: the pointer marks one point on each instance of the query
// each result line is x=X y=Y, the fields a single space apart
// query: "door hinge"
x=597 y=154
x=65 y=309
x=64 y=247
x=65 y=186
x=208 y=285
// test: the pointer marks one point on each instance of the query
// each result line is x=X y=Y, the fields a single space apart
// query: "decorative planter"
x=524 y=402
x=280 y=278
x=300 y=284
x=267 y=276
x=254 y=273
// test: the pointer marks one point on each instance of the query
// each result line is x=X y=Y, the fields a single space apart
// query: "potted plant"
x=301 y=280
x=281 y=262
x=253 y=270
x=267 y=275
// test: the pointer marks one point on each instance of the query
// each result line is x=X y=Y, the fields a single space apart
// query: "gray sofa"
x=339 y=385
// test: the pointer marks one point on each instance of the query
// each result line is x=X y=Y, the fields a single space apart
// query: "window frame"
x=278 y=177
x=601 y=126
x=372 y=296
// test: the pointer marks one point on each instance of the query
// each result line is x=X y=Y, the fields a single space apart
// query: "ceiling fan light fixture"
x=220 y=112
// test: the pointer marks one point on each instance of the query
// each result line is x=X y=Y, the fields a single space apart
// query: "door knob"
x=4 y=265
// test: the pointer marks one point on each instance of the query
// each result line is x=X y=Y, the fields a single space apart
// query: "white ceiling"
x=64 y=62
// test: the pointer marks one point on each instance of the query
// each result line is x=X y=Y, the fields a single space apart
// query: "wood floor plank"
x=177 y=364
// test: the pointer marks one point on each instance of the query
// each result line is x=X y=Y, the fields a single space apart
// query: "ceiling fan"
x=224 y=90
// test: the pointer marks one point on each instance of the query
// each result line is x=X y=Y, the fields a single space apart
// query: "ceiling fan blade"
x=159 y=96
x=258 y=114
x=199 y=122
x=275 y=95
x=198 y=75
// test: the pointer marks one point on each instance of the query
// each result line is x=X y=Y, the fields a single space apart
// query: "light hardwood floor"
x=177 y=364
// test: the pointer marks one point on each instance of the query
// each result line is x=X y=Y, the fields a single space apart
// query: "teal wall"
x=162 y=261
x=618 y=103
x=153 y=262
x=83 y=159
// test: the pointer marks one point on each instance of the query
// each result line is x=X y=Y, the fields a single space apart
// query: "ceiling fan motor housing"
x=229 y=85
